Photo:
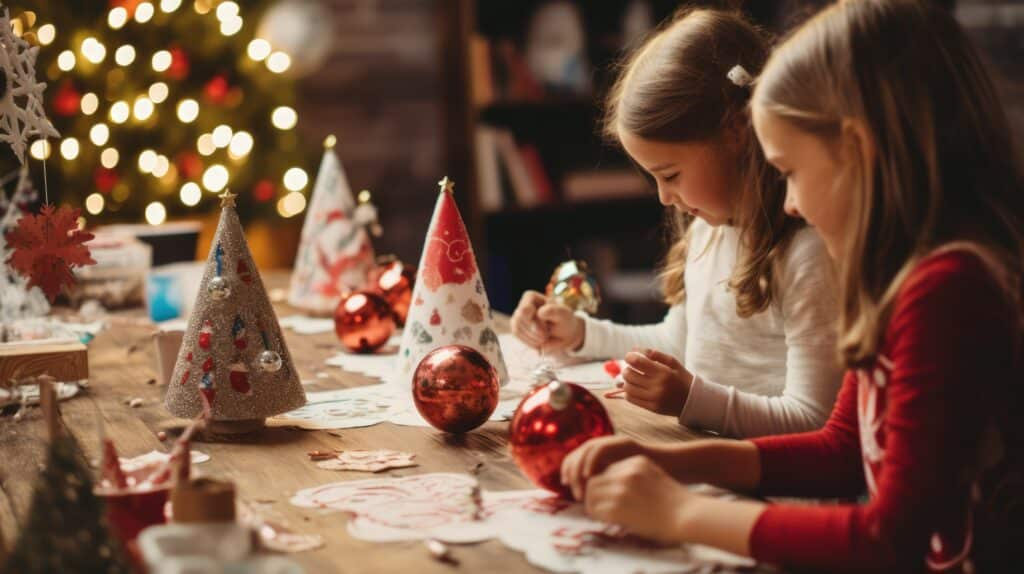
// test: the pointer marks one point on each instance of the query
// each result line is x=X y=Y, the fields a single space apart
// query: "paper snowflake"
x=22 y=116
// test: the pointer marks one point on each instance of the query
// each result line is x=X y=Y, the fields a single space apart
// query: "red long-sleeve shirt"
x=926 y=431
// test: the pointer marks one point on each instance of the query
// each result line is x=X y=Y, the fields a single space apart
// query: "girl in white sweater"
x=752 y=293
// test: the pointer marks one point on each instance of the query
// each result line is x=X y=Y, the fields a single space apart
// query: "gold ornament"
x=574 y=286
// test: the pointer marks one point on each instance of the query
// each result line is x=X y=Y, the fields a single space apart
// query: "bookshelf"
x=543 y=185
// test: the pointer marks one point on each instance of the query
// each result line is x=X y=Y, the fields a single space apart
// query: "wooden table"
x=272 y=464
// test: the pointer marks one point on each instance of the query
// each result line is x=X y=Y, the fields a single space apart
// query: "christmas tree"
x=66 y=529
x=233 y=355
x=163 y=103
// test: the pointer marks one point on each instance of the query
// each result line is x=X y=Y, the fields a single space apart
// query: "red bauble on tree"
x=455 y=388
x=67 y=99
x=550 y=423
x=180 y=64
x=363 y=322
x=394 y=281
x=216 y=90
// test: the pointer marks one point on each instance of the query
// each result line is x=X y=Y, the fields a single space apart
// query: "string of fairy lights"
x=236 y=144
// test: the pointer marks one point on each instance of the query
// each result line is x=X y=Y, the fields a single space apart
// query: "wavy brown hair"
x=675 y=88
x=945 y=171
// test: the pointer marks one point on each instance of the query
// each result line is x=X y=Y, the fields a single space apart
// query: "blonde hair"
x=676 y=88
x=944 y=171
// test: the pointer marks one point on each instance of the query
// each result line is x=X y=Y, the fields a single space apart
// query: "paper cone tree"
x=335 y=253
x=233 y=353
x=449 y=304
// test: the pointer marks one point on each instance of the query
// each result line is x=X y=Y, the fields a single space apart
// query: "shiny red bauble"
x=363 y=321
x=394 y=281
x=455 y=388
x=550 y=422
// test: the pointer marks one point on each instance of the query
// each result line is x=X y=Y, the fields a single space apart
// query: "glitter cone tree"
x=233 y=355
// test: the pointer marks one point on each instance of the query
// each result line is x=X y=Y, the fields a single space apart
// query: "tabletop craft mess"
x=430 y=340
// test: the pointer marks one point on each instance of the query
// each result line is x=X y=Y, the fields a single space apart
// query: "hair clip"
x=739 y=76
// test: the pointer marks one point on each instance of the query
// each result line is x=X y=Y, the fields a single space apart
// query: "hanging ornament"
x=363 y=321
x=574 y=286
x=190 y=166
x=22 y=116
x=455 y=388
x=47 y=246
x=179 y=64
x=67 y=99
x=216 y=90
x=300 y=28
x=264 y=190
x=105 y=179
x=551 y=422
x=270 y=361
x=394 y=281
x=218 y=288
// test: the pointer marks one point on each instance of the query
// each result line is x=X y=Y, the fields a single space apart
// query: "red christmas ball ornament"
x=550 y=422
x=264 y=190
x=179 y=64
x=455 y=389
x=189 y=165
x=363 y=321
x=105 y=179
x=67 y=99
x=216 y=90
x=394 y=281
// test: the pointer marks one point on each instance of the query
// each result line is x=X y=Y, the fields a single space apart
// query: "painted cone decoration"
x=233 y=353
x=335 y=253
x=449 y=304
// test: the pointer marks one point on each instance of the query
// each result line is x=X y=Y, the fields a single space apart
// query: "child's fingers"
x=642 y=393
x=643 y=363
x=663 y=358
x=640 y=401
x=634 y=377
x=532 y=300
x=555 y=313
x=528 y=332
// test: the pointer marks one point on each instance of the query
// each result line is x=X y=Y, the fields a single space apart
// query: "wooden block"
x=62 y=361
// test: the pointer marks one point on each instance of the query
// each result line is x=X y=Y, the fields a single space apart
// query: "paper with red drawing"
x=553 y=534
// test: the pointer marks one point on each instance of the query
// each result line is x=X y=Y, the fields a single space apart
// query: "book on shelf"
x=602 y=184
x=488 y=169
x=503 y=164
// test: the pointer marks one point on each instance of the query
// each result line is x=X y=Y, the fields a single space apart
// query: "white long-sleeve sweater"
x=772 y=373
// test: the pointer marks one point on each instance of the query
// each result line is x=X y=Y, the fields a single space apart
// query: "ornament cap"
x=227 y=199
x=364 y=196
x=447 y=185
x=330 y=141
x=559 y=395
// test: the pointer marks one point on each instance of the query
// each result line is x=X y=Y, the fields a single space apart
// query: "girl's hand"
x=547 y=326
x=592 y=457
x=640 y=496
x=656 y=382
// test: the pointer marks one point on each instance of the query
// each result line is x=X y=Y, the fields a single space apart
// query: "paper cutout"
x=154 y=458
x=369 y=460
x=553 y=533
x=344 y=408
x=304 y=325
